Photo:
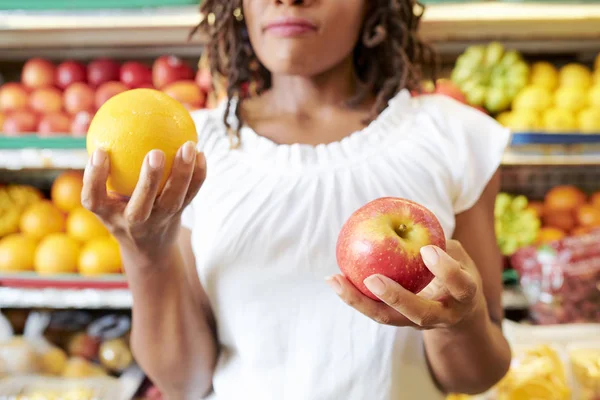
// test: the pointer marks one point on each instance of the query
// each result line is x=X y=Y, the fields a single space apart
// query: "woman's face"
x=305 y=38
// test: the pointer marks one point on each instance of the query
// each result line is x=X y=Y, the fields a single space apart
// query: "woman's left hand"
x=454 y=295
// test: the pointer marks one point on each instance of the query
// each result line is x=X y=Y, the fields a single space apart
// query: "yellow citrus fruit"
x=17 y=253
x=558 y=120
x=575 y=75
x=538 y=98
x=66 y=190
x=53 y=361
x=572 y=98
x=131 y=124
x=42 y=219
x=100 y=256
x=9 y=220
x=504 y=118
x=545 y=75
x=589 y=120
x=594 y=96
x=83 y=225
x=524 y=121
x=57 y=254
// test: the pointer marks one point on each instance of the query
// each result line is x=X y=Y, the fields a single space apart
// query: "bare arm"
x=474 y=355
x=173 y=328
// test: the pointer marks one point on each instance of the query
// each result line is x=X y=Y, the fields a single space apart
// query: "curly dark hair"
x=388 y=57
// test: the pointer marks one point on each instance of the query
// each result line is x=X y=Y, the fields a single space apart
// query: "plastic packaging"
x=562 y=280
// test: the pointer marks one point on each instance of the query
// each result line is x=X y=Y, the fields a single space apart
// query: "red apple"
x=135 y=74
x=204 y=80
x=169 y=69
x=19 y=122
x=70 y=72
x=108 y=90
x=79 y=97
x=102 y=70
x=186 y=92
x=38 y=73
x=81 y=123
x=54 y=123
x=13 y=96
x=83 y=345
x=385 y=237
x=449 y=88
x=46 y=100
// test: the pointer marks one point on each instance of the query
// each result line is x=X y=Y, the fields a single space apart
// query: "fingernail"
x=429 y=255
x=156 y=158
x=334 y=284
x=375 y=285
x=189 y=150
x=98 y=158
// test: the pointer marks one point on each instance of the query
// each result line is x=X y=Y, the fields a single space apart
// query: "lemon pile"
x=557 y=101
x=54 y=236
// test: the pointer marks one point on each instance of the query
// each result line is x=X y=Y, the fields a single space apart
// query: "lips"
x=288 y=27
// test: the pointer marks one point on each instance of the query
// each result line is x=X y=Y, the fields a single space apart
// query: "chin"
x=295 y=58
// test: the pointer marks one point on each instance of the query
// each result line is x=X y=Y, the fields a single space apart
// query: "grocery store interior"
x=65 y=306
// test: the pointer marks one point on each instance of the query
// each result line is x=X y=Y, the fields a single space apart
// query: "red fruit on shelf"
x=54 y=123
x=169 y=69
x=450 y=89
x=79 y=97
x=146 y=86
x=81 y=123
x=187 y=93
x=204 y=80
x=108 y=90
x=20 y=122
x=38 y=73
x=134 y=74
x=13 y=96
x=70 y=72
x=101 y=71
x=46 y=100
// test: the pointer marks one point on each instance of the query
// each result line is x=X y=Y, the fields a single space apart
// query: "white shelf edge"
x=65 y=298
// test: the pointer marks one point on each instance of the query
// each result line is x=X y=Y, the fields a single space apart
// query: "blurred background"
x=65 y=307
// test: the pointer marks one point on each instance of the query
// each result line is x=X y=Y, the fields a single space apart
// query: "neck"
x=298 y=95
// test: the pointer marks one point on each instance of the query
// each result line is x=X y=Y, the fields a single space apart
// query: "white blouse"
x=264 y=229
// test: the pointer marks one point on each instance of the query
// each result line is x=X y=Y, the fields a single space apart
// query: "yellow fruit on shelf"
x=78 y=367
x=83 y=225
x=544 y=74
x=66 y=190
x=536 y=98
x=575 y=75
x=524 y=121
x=17 y=253
x=589 y=120
x=504 y=118
x=572 y=98
x=100 y=256
x=131 y=124
x=57 y=254
x=594 y=96
x=42 y=219
x=559 y=120
x=53 y=361
x=9 y=220
x=23 y=195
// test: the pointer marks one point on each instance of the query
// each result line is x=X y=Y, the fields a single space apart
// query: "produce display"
x=585 y=364
x=62 y=99
x=530 y=98
x=561 y=279
x=517 y=225
x=368 y=243
x=72 y=345
x=56 y=235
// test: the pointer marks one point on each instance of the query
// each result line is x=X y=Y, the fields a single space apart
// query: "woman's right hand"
x=147 y=224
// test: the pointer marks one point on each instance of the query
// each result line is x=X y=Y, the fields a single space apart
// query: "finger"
x=420 y=311
x=377 y=311
x=142 y=200
x=171 y=199
x=456 y=279
x=93 y=193
x=198 y=178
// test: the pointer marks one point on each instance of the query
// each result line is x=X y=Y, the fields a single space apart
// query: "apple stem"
x=401 y=230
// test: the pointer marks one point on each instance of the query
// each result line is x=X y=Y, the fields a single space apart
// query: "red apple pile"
x=385 y=237
x=61 y=99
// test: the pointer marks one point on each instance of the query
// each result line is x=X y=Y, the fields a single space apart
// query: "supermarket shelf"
x=532 y=27
x=516 y=158
x=65 y=298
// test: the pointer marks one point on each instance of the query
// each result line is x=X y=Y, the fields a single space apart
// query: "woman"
x=227 y=282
